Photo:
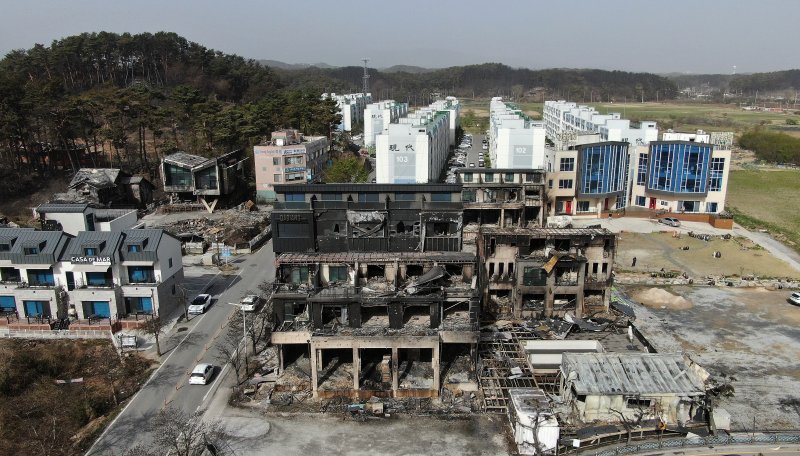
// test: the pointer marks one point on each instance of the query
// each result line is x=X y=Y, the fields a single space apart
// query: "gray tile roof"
x=630 y=374
x=50 y=244
x=61 y=208
x=108 y=240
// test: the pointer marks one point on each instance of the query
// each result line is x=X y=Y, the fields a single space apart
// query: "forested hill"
x=107 y=99
x=488 y=79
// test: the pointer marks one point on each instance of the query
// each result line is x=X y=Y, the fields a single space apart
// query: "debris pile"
x=234 y=227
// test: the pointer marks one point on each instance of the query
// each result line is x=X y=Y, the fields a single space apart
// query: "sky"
x=680 y=36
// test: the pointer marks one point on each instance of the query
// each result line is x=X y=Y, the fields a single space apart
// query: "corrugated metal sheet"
x=630 y=374
x=62 y=208
x=110 y=241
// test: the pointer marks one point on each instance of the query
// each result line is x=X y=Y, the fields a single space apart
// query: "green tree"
x=346 y=169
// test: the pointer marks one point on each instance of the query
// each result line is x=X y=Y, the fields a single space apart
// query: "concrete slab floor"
x=750 y=337
x=330 y=434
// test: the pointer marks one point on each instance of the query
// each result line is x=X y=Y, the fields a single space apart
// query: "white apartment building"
x=378 y=116
x=351 y=107
x=415 y=149
x=453 y=106
x=515 y=141
x=563 y=120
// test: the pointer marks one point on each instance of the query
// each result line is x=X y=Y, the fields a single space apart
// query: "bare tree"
x=154 y=326
x=259 y=328
x=230 y=349
x=183 y=434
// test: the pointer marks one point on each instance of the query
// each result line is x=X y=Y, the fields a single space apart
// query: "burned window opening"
x=376 y=369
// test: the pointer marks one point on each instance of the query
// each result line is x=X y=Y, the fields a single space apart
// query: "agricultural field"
x=767 y=199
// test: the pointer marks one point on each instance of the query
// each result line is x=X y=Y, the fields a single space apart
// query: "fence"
x=733 y=439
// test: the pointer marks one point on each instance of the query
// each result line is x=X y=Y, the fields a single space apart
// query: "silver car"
x=670 y=221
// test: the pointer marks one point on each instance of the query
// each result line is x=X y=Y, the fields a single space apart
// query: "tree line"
x=487 y=80
x=123 y=100
x=770 y=146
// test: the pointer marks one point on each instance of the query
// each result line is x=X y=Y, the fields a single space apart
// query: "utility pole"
x=365 y=88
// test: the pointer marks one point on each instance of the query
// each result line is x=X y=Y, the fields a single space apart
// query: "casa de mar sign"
x=93 y=260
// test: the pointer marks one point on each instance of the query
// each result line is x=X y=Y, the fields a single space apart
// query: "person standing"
x=633 y=263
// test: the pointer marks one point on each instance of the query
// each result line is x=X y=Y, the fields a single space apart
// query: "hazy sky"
x=695 y=36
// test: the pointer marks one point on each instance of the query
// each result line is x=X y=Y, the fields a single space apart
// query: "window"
x=277 y=178
x=368 y=198
x=441 y=196
x=532 y=275
x=466 y=177
x=330 y=196
x=550 y=183
x=31 y=250
x=41 y=278
x=98 y=279
x=169 y=263
x=36 y=308
x=641 y=201
x=635 y=402
x=715 y=175
x=90 y=251
x=641 y=173
x=298 y=275
x=488 y=177
x=565 y=183
x=276 y=161
x=532 y=177
x=141 y=274
x=337 y=274
x=583 y=206
x=405 y=196
x=468 y=196
x=509 y=178
x=291 y=177
x=711 y=207
x=297 y=197
x=567 y=164
x=5 y=247
x=298 y=160
x=134 y=248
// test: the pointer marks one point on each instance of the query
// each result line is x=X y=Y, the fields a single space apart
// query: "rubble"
x=236 y=226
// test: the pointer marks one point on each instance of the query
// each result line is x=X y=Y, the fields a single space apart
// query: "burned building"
x=107 y=187
x=373 y=296
x=542 y=272
x=188 y=177
x=367 y=218
x=503 y=197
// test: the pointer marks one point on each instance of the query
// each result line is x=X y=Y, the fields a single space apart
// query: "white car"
x=794 y=298
x=200 y=304
x=250 y=303
x=201 y=374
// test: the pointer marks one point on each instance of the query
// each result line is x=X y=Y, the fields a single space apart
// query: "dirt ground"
x=750 y=337
x=740 y=256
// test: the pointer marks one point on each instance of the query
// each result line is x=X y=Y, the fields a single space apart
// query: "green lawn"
x=767 y=199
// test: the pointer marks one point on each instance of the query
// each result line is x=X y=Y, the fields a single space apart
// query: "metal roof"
x=110 y=241
x=375 y=188
x=96 y=177
x=630 y=374
x=373 y=257
x=544 y=232
x=189 y=160
x=50 y=244
x=61 y=208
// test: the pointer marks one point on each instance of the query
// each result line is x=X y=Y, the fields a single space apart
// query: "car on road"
x=201 y=374
x=472 y=165
x=670 y=221
x=250 y=303
x=794 y=298
x=485 y=147
x=200 y=304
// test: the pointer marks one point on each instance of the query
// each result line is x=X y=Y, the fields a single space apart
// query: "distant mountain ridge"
x=293 y=66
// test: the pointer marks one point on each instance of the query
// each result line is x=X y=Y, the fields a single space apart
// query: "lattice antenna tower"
x=366 y=77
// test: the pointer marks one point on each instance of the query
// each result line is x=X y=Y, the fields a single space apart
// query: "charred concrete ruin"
x=373 y=294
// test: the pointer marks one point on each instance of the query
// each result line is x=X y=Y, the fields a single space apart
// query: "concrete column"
x=435 y=365
x=280 y=359
x=395 y=367
x=502 y=218
x=356 y=367
x=314 y=373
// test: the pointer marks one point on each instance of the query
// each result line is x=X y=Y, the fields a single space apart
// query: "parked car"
x=200 y=304
x=250 y=303
x=472 y=165
x=201 y=374
x=670 y=221
x=794 y=298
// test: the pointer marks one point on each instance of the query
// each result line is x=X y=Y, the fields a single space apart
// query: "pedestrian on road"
x=633 y=263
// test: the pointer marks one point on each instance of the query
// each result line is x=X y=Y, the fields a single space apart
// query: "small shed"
x=633 y=386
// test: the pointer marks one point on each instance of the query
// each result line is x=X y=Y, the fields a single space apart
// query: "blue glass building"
x=678 y=167
x=603 y=169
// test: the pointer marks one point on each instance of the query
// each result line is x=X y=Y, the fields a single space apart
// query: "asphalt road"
x=475 y=151
x=182 y=351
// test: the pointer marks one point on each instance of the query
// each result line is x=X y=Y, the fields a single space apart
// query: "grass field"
x=767 y=199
